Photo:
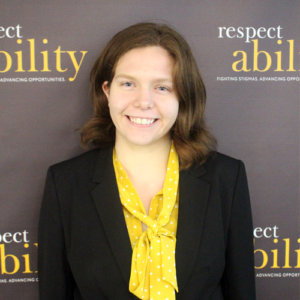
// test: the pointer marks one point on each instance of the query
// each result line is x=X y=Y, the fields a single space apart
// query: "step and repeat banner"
x=248 y=54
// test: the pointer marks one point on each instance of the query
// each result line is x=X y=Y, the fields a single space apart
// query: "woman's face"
x=142 y=98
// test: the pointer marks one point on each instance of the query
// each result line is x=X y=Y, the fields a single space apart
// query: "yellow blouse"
x=153 y=269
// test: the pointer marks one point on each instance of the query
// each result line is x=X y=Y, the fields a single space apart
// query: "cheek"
x=174 y=108
x=114 y=110
x=118 y=101
x=114 y=105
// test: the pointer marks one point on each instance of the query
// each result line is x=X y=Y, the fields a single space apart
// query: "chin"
x=142 y=139
x=141 y=142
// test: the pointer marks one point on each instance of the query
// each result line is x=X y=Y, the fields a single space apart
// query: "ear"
x=105 y=89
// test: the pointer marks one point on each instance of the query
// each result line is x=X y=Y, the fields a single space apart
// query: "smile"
x=141 y=121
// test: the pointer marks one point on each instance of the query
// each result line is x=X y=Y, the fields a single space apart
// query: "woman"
x=154 y=212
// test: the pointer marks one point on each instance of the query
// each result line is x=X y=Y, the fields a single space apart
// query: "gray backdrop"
x=46 y=52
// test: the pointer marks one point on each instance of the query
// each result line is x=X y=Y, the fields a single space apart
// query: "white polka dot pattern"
x=153 y=269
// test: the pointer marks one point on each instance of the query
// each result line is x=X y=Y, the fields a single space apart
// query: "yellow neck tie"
x=153 y=269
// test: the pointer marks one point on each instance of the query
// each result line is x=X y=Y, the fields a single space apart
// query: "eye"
x=127 y=84
x=163 y=88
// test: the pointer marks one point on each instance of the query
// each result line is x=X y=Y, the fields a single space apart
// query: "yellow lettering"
x=242 y=61
x=298 y=256
x=45 y=58
x=32 y=55
x=8 y=62
x=287 y=254
x=58 y=53
x=4 y=257
x=279 y=58
x=256 y=54
x=275 y=256
x=264 y=260
x=75 y=63
x=291 y=56
x=19 y=58
x=26 y=262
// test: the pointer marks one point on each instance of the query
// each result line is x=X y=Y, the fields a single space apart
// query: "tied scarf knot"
x=156 y=231
x=155 y=244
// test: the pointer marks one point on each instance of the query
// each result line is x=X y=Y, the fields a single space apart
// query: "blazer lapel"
x=109 y=207
x=193 y=198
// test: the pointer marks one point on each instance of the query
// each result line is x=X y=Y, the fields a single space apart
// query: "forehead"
x=147 y=60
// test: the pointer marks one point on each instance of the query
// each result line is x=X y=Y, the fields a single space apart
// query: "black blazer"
x=84 y=247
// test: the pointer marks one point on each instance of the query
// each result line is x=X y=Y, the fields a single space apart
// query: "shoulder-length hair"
x=192 y=139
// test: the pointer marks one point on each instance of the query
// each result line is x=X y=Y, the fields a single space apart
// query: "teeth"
x=141 y=121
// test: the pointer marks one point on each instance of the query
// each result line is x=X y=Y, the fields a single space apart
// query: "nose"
x=144 y=98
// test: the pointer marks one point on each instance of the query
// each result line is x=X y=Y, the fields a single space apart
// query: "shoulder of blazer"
x=82 y=166
x=223 y=173
x=225 y=164
x=218 y=164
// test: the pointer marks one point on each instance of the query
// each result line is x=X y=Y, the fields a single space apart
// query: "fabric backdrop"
x=248 y=55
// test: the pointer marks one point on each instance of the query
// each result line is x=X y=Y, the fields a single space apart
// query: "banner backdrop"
x=248 y=55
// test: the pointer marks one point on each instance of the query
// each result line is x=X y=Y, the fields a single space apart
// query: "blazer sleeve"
x=55 y=278
x=239 y=278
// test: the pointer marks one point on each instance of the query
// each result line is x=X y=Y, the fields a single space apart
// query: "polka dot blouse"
x=153 y=269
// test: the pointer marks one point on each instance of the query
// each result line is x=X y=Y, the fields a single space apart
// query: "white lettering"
x=16 y=237
x=10 y=32
x=267 y=232
x=250 y=33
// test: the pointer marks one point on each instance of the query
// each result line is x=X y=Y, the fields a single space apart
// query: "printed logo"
x=16 y=257
x=36 y=60
x=274 y=256
x=264 y=50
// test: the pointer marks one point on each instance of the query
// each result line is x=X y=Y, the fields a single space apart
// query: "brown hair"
x=192 y=139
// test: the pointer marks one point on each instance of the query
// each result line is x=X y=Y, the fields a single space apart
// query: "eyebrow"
x=124 y=76
x=133 y=78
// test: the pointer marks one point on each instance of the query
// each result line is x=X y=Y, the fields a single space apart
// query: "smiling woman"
x=154 y=211
x=192 y=139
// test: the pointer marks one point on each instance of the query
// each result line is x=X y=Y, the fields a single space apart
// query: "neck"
x=137 y=159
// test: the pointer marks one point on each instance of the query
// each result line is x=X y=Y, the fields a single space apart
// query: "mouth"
x=141 y=121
